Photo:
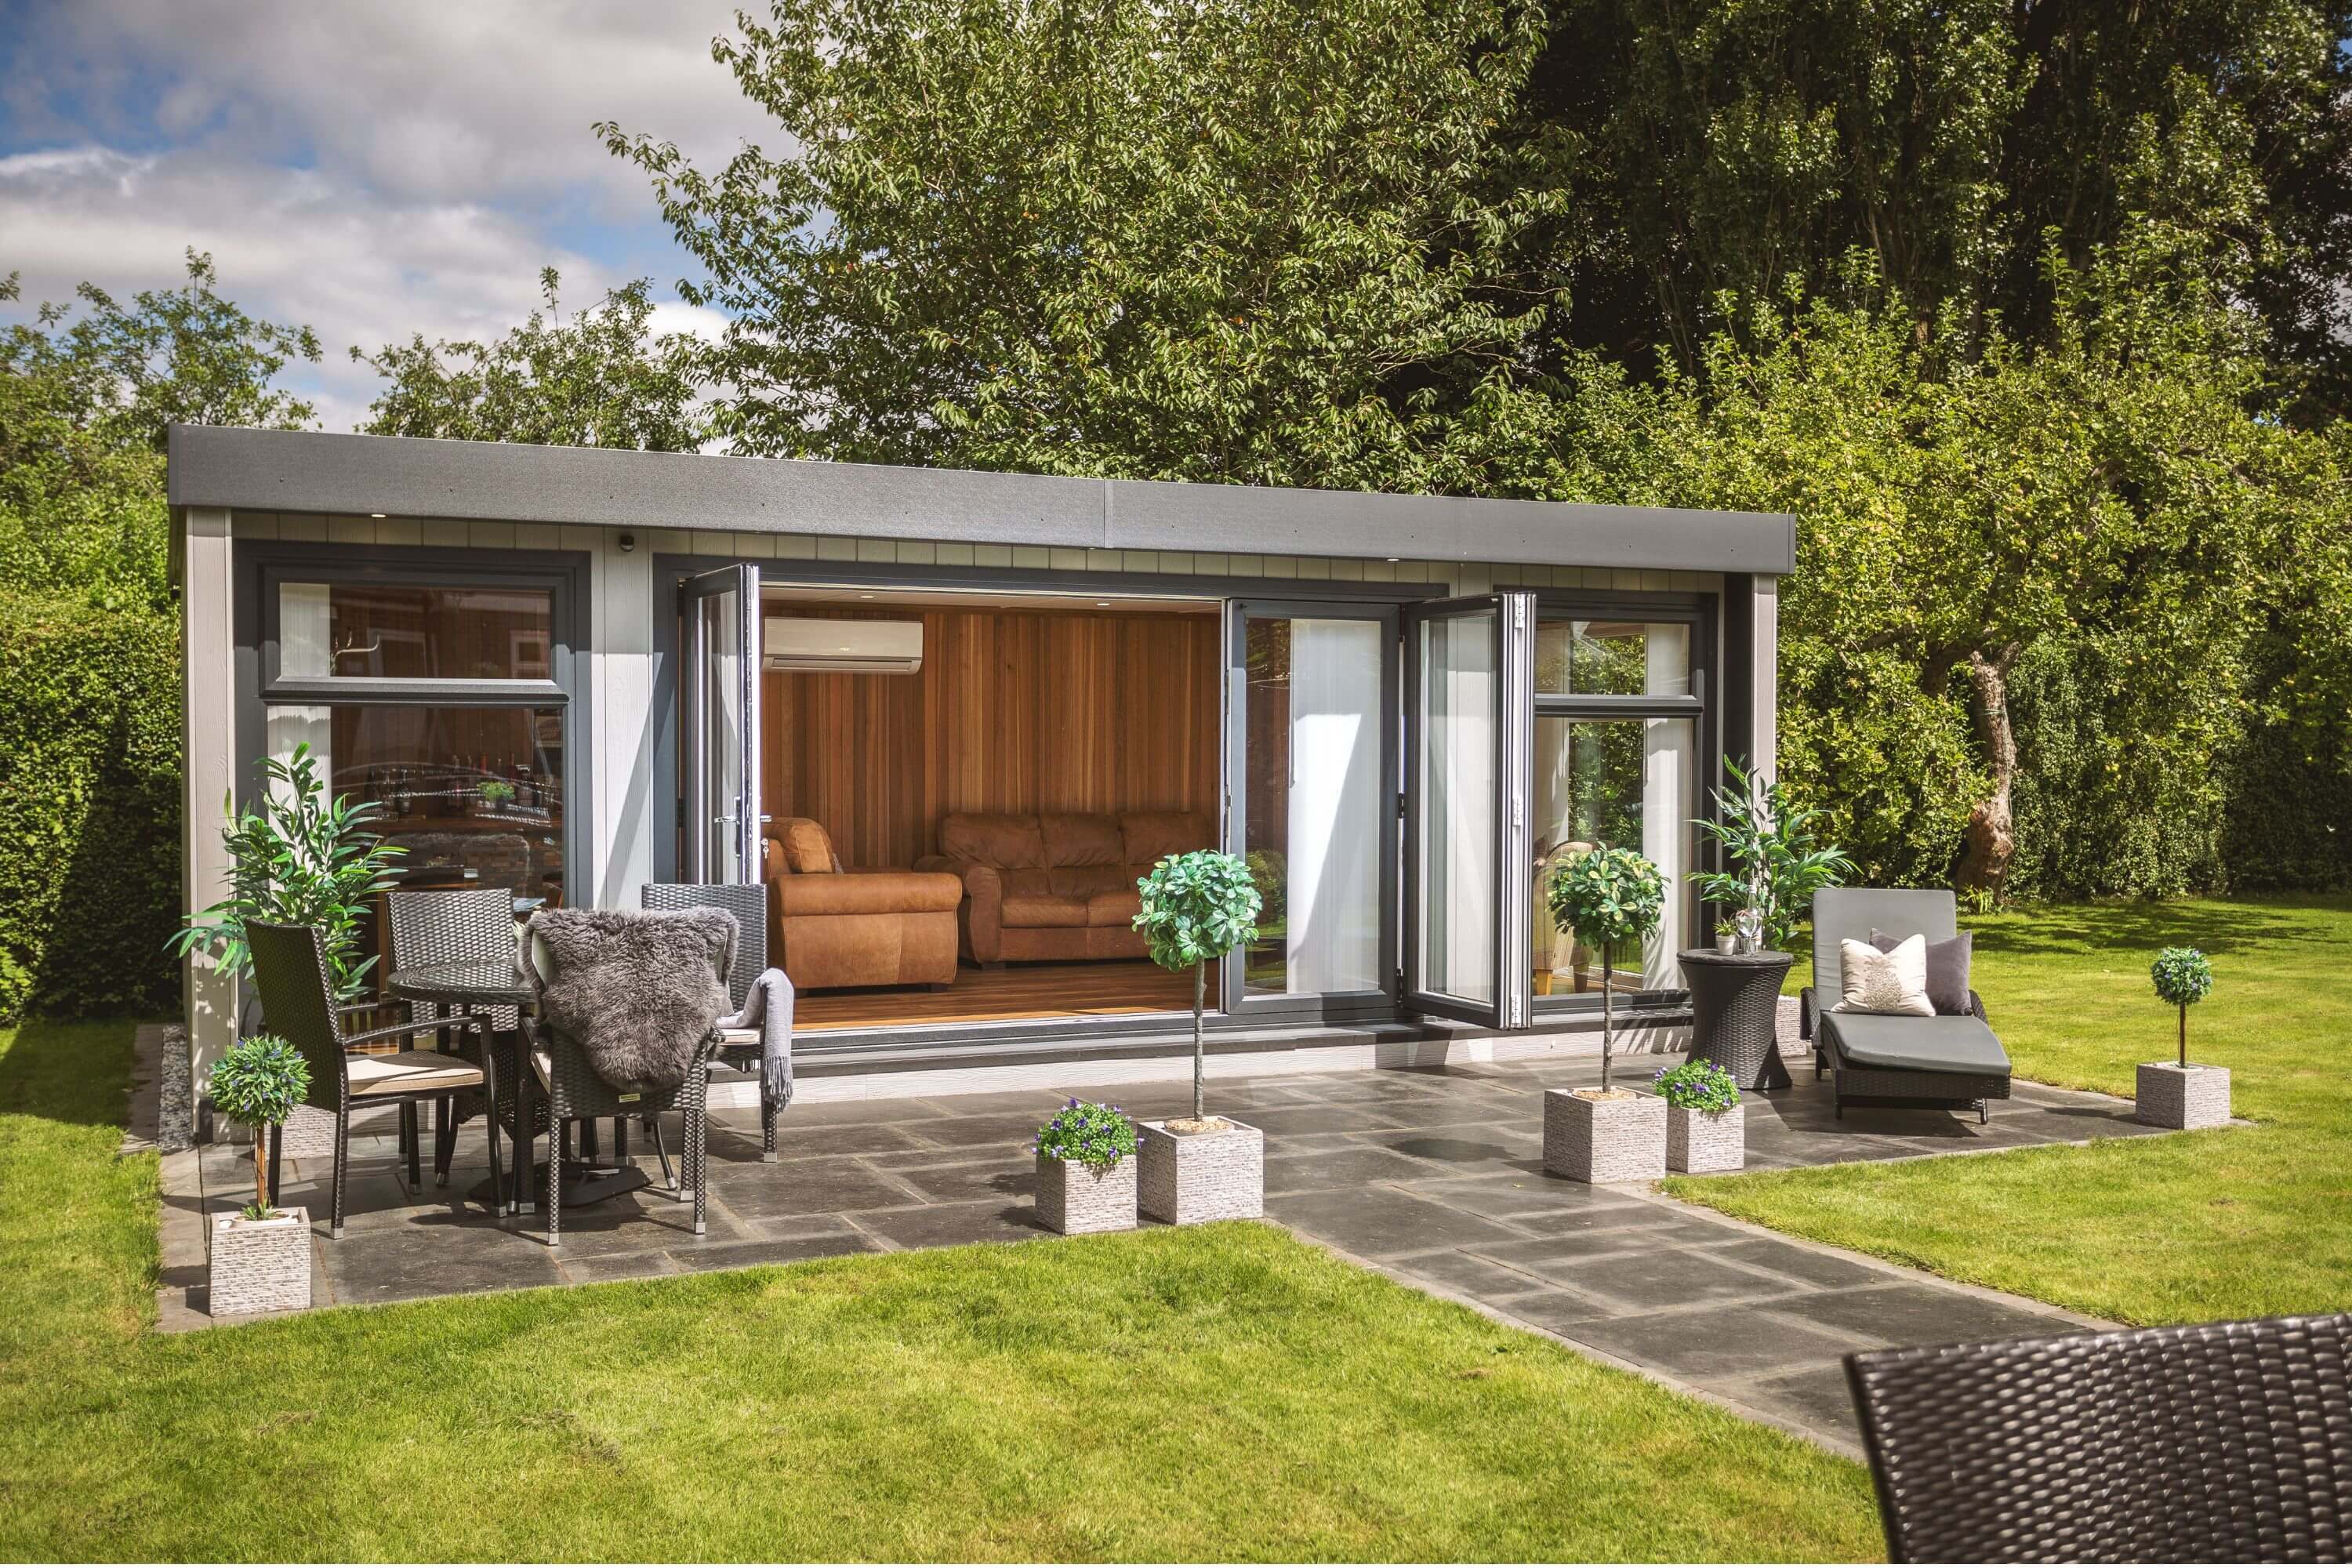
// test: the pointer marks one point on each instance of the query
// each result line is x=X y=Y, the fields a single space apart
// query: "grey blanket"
x=637 y=990
x=769 y=1009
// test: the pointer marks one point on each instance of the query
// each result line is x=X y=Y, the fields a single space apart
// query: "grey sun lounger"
x=1943 y=1063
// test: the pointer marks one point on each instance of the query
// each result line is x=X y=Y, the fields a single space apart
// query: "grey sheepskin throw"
x=637 y=990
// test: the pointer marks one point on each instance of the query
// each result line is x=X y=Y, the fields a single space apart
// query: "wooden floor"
x=1017 y=991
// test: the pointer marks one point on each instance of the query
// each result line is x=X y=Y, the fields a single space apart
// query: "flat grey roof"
x=312 y=471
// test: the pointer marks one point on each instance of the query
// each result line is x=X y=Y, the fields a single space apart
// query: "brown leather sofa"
x=1057 y=885
x=828 y=927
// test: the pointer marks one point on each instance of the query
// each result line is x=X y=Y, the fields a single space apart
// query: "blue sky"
x=368 y=170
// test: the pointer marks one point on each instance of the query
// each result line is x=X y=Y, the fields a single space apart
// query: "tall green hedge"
x=89 y=808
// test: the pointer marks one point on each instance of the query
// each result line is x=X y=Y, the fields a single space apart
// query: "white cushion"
x=1877 y=982
x=405 y=1072
x=739 y=1037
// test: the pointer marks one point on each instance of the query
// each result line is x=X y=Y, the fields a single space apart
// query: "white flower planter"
x=261 y=1265
x=1077 y=1200
x=1600 y=1140
x=2170 y=1095
x=1697 y=1143
x=1185 y=1178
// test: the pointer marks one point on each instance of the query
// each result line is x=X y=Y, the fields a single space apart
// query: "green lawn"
x=1204 y=1394
x=2187 y=1228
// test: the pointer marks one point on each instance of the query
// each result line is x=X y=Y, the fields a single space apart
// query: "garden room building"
x=947 y=717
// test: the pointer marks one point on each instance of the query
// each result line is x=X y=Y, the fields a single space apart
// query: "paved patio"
x=1433 y=1176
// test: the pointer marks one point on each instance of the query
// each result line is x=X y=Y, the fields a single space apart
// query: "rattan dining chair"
x=298 y=997
x=461 y=925
x=2214 y=1443
x=747 y=902
x=569 y=1089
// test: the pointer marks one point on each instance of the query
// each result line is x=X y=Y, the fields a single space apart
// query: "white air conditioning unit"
x=848 y=647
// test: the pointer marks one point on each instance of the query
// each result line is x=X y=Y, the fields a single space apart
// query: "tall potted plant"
x=1772 y=868
x=2182 y=1093
x=301 y=860
x=1605 y=897
x=1198 y=907
x=262 y=1256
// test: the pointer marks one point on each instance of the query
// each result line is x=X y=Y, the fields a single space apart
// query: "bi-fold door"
x=719 y=706
x=1468 y=845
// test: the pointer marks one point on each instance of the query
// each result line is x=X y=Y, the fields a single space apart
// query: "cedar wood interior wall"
x=1012 y=711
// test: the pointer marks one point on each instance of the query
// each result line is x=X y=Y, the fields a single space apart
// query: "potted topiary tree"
x=1085 y=1170
x=1706 y=1127
x=1198 y=907
x=262 y=1256
x=2183 y=1094
x=1606 y=897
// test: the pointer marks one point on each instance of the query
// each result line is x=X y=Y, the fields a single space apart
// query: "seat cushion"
x=1085 y=882
x=1042 y=910
x=1152 y=835
x=1902 y=1043
x=1118 y=909
x=405 y=1072
x=990 y=838
x=1072 y=839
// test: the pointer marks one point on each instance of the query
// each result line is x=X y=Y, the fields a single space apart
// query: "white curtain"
x=1458 y=910
x=304 y=634
x=1334 y=932
x=1667 y=835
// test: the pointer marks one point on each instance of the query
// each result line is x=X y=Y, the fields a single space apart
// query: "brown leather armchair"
x=829 y=927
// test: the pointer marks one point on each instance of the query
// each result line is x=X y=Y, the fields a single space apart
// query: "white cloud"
x=370 y=171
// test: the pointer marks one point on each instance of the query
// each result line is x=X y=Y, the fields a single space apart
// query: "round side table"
x=1736 y=1013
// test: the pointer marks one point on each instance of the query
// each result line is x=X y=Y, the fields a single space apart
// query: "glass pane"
x=1456 y=787
x=722 y=734
x=415 y=632
x=1626 y=783
x=1313 y=810
x=474 y=795
x=1612 y=659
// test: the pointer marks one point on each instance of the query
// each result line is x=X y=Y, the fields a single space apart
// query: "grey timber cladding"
x=316 y=472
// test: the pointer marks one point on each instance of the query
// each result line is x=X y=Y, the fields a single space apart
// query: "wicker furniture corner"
x=572 y=1091
x=2214 y=1443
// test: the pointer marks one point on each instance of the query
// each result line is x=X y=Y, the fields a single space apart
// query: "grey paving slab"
x=1435 y=1176
x=1379 y=1222
x=1922 y=1314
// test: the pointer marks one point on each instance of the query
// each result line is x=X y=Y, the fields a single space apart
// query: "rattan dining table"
x=478 y=988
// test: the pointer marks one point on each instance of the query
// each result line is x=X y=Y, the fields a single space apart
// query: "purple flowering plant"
x=1085 y=1134
x=1699 y=1085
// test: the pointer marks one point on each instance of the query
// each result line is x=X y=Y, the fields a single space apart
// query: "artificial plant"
x=2183 y=977
x=258 y=1082
x=1197 y=906
x=1773 y=867
x=1605 y=897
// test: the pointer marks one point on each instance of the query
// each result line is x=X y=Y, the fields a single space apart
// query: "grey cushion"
x=1894 y=1043
x=1947 y=968
x=1842 y=914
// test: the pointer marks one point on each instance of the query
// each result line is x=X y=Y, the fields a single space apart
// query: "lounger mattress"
x=1907 y=1043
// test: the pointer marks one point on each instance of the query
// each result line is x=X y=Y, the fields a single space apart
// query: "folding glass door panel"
x=1468 y=705
x=1312 y=807
x=718 y=614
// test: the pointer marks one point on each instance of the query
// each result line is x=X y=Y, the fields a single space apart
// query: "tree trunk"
x=1200 y=996
x=1608 y=1012
x=261 y=1167
x=1990 y=840
x=2184 y=1034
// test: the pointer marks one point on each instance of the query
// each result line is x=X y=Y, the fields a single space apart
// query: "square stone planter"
x=2170 y=1095
x=261 y=1265
x=1077 y=1200
x=1599 y=1141
x=1697 y=1143
x=1185 y=1178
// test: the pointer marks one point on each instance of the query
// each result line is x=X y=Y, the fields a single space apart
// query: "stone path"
x=1432 y=1176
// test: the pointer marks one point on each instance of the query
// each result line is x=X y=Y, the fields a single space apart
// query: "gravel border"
x=175 y=1118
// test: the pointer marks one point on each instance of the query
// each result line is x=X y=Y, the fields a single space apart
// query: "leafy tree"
x=599 y=379
x=2183 y=977
x=1197 y=240
x=84 y=400
x=1721 y=148
x=258 y=1082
